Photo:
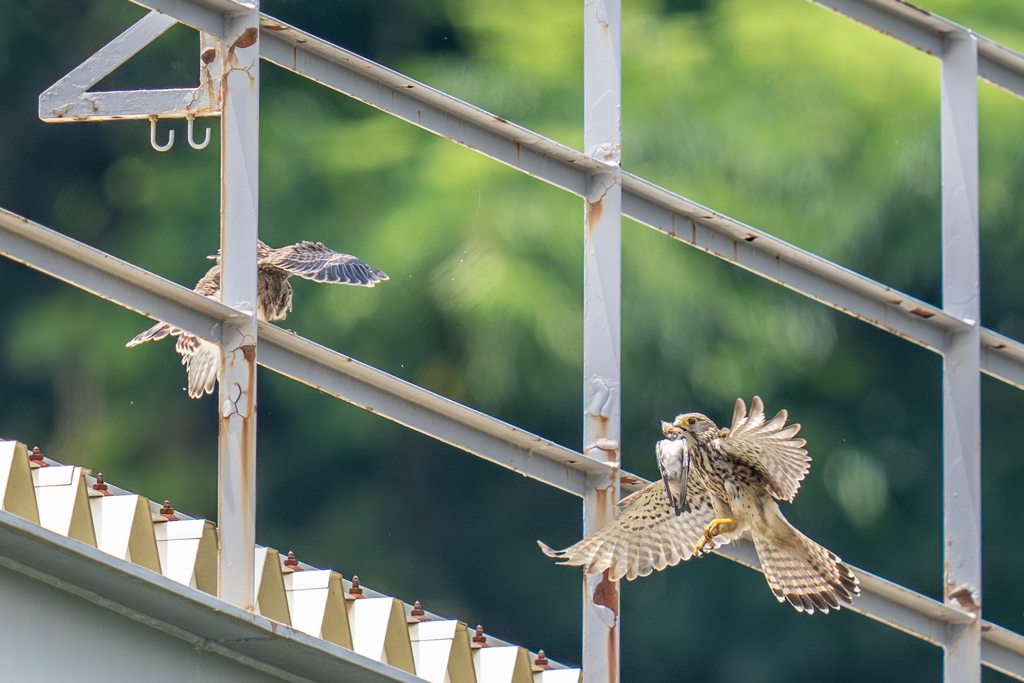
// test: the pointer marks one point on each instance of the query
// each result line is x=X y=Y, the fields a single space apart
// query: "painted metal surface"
x=134 y=288
x=602 y=320
x=69 y=98
x=921 y=29
x=961 y=379
x=109 y=277
x=916 y=614
x=203 y=15
x=666 y=211
x=788 y=265
x=423 y=106
x=428 y=413
x=239 y=221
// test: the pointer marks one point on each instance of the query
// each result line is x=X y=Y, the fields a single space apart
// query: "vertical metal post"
x=602 y=289
x=240 y=91
x=961 y=364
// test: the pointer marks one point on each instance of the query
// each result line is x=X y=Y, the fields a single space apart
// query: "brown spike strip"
x=167 y=512
x=418 y=612
x=35 y=458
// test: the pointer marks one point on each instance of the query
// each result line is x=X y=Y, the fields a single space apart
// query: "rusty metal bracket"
x=70 y=99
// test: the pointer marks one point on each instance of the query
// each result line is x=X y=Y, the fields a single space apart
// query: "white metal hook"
x=152 y=136
x=191 y=138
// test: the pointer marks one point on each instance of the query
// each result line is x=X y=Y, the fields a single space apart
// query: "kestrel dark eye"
x=691 y=421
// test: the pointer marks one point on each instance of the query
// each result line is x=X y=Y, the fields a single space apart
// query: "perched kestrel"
x=718 y=485
x=311 y=261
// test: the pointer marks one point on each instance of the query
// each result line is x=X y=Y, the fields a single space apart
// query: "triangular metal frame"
x=69 y=98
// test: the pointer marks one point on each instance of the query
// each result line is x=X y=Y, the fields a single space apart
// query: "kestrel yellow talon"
x=713 y=529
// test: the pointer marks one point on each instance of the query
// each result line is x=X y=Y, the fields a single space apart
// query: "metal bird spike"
x=309 y=260
x=719 y=485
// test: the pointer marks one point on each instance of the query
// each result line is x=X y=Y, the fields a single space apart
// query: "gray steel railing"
x=229 y=88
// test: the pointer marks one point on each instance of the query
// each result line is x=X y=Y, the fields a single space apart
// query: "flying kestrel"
x=311 y=261
x=718 y=485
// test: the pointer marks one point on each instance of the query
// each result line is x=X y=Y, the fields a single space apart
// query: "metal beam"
x=668 y=212
x=203 y=15
x=110 y=278
x=69 y=98
x=642 y=201
x=423 y=106
x=790 y=266
x=916 y=614
x=428 y=413
x=954 y=331
x=925 y=31
x=239 y=223
x=961 y=379
x=1002 y=358
x=602 y=319
x=1002 y=650
x=139 y=290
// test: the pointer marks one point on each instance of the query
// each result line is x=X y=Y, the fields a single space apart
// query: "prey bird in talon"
x=717 y=486
x=309 y=260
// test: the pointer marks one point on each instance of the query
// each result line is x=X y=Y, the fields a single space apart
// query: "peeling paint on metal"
x=594 y=212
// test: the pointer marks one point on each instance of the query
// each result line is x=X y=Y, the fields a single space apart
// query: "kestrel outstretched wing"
x=770 y=447
x=155 y=333
x=200 y=357
x=646 y=536
x=202 y=363
x=316 y=262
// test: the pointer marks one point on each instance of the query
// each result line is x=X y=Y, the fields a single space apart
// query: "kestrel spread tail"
x=309 y=260
x=798 y=569
x=646 y=536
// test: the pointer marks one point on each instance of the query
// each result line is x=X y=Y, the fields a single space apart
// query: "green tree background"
x=775 y=112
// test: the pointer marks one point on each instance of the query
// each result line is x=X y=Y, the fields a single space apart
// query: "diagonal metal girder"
x=69 y=99
x=924 y=30
x=139 y=290
x=916 y=614
x=668 y=212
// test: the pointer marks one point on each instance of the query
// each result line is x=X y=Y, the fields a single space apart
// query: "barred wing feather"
x=646 y=536
x=314 y=261
x=770 y=447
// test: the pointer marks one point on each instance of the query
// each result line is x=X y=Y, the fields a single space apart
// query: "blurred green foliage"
x=776 y=112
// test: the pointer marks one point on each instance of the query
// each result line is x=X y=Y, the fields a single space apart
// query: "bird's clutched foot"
x=715 y=528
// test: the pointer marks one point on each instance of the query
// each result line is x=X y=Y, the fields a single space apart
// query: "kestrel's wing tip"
x=756 y=406
x=549 y=551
